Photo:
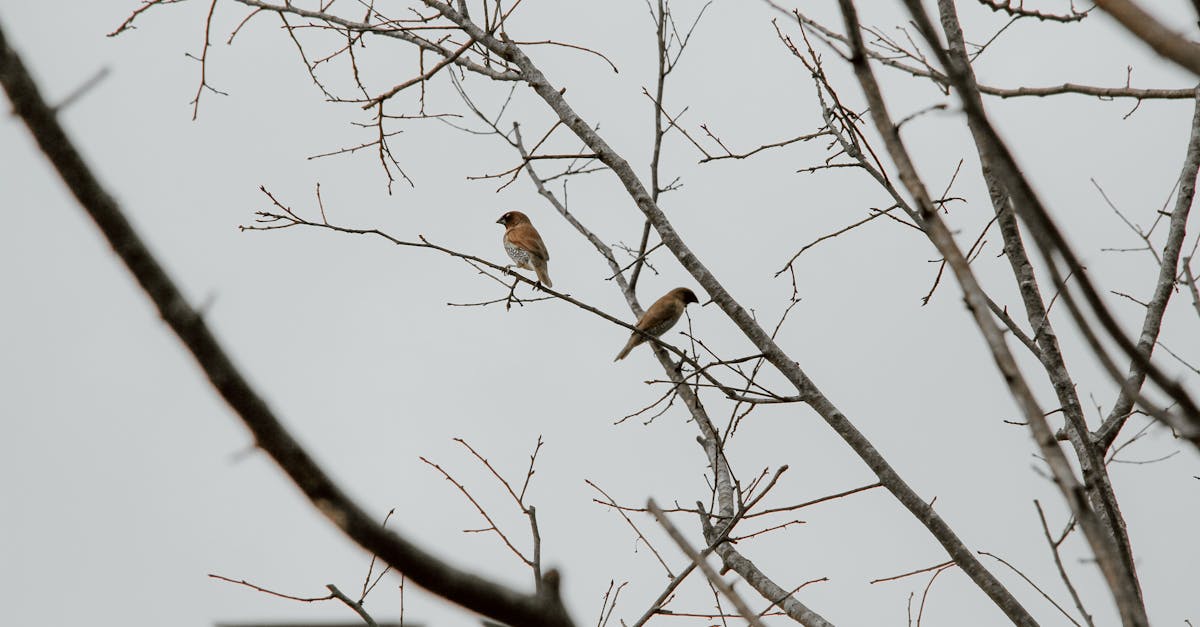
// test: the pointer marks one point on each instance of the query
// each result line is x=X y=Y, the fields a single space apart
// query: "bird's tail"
x=634 y=340
x=543 y=274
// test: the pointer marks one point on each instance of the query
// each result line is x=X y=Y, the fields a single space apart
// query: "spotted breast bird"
x=660 y=317
x=524 y=246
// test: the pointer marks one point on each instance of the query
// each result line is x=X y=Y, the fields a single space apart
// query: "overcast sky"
x=125 y=480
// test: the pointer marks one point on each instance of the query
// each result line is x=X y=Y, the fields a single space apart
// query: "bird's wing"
x=663 y=313
x=527 y=237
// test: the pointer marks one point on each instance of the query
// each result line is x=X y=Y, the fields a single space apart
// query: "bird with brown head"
x=660 y=317
x=524 y=245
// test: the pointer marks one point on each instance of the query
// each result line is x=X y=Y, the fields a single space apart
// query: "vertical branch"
x=1190 y=280
x=660 y=22
x=1109 y=553
x=1056 y=250
x=536 y=562
x=1101 y=497
x=1062 y=571
x=1163 y=288
x=1118 y=577
x=204 y=62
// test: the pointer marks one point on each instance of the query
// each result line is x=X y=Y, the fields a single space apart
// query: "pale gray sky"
x=120 y=471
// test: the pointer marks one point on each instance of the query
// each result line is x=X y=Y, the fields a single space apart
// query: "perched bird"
x=660 y=317
x=524 y=246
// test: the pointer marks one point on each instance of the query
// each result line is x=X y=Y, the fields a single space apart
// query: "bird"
x=525 y=246
x=660 y=317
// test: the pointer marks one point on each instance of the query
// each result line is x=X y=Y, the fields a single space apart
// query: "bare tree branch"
x=1062 y=571
x=1016 y=8
x=430 y=572
x=743 y=609
x=1163 y=288
x=1163 y=40
x=739 y=315
x=1057 y=252
x=1120 y=579
x=1101 y=496
x=923 y=71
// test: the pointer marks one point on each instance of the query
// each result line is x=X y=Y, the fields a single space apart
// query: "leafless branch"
x=1162 y=39
x=1016 y=8
x=1034 y=585
x=453 y=584
x=928 y=72
x=751 y=153
x=913 y=572
x=875 y=213
x=609 y=501
x=1163 y=288
x=734 y=598
x=203 y=59
x=334 y=593
x=1062 y=572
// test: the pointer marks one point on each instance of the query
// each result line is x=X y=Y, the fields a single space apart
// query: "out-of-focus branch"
x=449 y=582
x=1155 y=34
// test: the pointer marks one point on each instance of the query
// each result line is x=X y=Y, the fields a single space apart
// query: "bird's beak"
x=500 y=221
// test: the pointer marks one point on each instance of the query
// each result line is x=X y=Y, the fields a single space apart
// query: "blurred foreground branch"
x=430 y=572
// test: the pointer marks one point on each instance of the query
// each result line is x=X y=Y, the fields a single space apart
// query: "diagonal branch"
x=722 y=585
x=428 y=74
x=1155 y=34
x=427 y=570
x=744 y=320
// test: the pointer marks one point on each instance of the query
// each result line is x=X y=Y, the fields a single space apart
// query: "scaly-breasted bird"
x=524 y=246
x=660 y=317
